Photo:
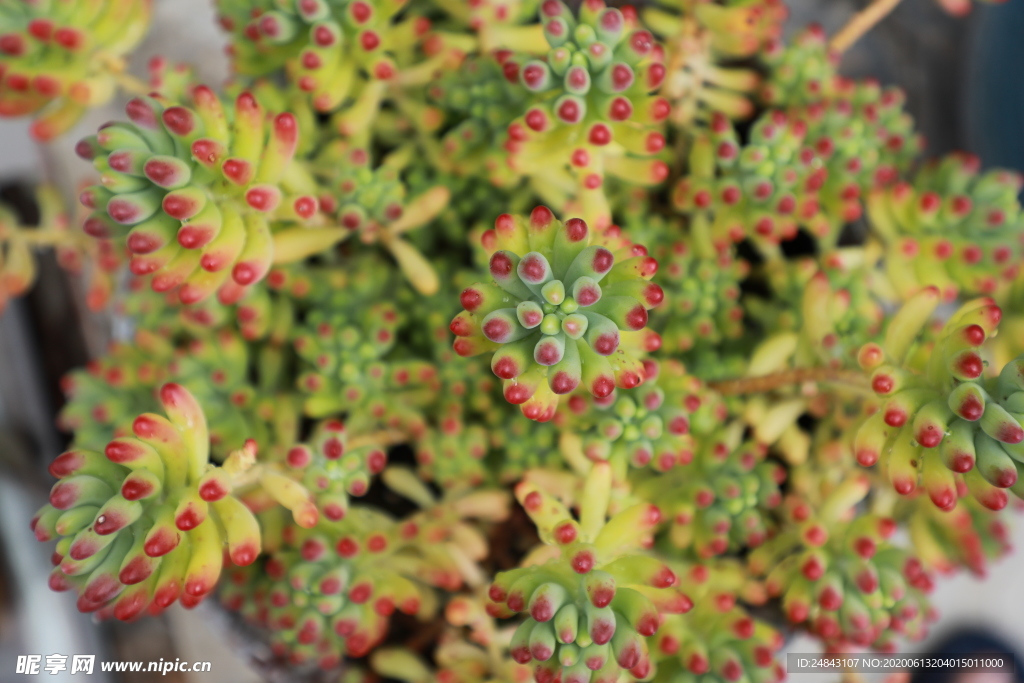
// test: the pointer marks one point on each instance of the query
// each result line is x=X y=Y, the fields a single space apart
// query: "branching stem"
x=785 y=378
x=384 y=438
x=861 y=23
x=117 y=69
x=132 y=85
x=41 y=237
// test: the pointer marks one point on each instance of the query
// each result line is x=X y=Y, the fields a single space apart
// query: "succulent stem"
x=383 y=438
x=43 y=238
x=785 y=378
x=861 y=23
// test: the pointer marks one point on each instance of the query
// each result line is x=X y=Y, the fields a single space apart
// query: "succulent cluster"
x=593 y=110
x=718 y=639
x=940 y=416
x=322 y=600
x=704 y=333
x=145 y=522
x=548 y=319
x=961 y=227
x=59 y=58
x=194 y=191
x=594 y=604
x=840 y=574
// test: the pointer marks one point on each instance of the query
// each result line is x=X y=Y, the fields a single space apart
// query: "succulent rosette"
x=700 y=44
x=371 y=204
x=146 y=522
x=649 y=426
x=802 y=72
x=592 y=110
x=563 y=311
x=864 y=139
x=593 y=607
x=335 y=50
x=346 y=370
x=942 y=422
x=334 y=465
x=194 y=192
x=483 y=102
x=838 y=573
x=962 y=227
x=105 y=397
x=57 y=59
x=720 y=500
x=764 y=190
x=330 y=592
x=701 y=297
x=718 y=640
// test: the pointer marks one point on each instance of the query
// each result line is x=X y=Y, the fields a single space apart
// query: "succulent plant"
x=802 y=72
x=347 y=372
x=710 y=442
x=371 y=203
x=847 y=582
x=865 y=140
x=941 y=418
x=59 y=58
x=335 y=466
x=702 y=297
x=322 y=596
x=592 y=111
x=962 y=227
x=593 y=604
x=718 y=638
x=648 y=426
x=146 y=521
x=700 y=43
x=551 y=324
x=104 y=397
x=333 y=49
x=721 y=501
x=484 y=100
x=763 y=190
x=194 y=191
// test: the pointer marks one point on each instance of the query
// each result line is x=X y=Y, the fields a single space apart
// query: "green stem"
x=785 y=378
x=700 y=230
x=41 y=238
